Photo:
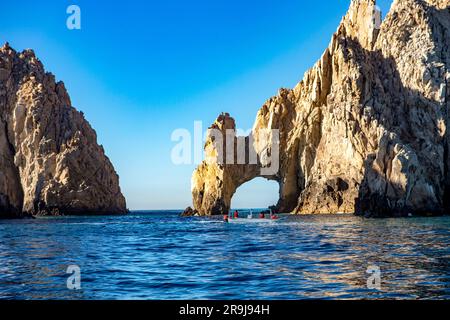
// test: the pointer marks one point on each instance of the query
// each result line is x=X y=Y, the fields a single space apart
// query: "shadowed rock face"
x=365 y=131
x=50 y=162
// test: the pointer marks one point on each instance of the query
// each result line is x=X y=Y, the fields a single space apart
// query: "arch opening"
x=258 y=193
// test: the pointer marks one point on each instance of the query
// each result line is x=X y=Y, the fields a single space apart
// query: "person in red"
x=273 y=216
x=236 y=214
x=261 y=215
x=225 y=218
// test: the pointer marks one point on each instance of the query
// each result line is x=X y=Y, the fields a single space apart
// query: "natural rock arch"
x=216 y=180
x=266 y=191
x=365 y=131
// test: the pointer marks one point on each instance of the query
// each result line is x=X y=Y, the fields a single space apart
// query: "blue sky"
x=141 y=69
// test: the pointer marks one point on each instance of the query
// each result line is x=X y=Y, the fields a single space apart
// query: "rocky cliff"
x=50 y=162
x=364 y=132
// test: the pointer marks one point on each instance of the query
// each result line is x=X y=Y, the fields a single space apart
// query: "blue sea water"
x=158 y=255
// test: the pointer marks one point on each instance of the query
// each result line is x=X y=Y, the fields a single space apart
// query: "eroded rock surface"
x=365 y=131
x=50 y=162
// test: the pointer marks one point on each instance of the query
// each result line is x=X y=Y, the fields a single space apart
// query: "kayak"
x=252 y=220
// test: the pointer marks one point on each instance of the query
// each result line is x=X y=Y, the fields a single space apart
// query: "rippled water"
x=151 y=255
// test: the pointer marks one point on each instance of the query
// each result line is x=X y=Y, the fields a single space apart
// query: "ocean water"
x=158 y=255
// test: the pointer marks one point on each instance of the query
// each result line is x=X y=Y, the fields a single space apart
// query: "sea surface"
x=158 y=255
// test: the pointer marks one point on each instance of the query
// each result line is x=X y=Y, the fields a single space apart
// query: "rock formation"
x=50 y=162
x=364 y=132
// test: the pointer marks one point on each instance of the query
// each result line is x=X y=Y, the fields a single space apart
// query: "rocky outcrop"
x=364 y=132
x=189 y=212
x=50 y=162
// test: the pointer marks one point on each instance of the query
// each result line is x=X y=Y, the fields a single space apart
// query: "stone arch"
x=214 y=182
x=259 y=192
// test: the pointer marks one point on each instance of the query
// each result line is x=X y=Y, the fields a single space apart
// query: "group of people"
x=262 y=215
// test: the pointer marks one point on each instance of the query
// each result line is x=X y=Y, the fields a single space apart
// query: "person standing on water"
x=236 y=214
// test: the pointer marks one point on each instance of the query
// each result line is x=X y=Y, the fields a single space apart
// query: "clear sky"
x=141 y=69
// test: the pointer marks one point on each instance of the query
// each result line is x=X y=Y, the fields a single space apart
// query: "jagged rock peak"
x=51 y=162
x=362 y=22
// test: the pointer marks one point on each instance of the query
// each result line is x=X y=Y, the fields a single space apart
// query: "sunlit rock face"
x=50 y=162
x=365 y=131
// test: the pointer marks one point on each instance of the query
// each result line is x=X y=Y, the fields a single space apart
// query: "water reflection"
x=161 y=256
